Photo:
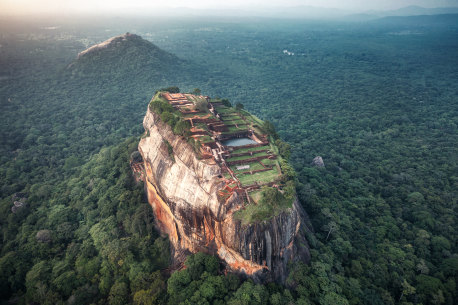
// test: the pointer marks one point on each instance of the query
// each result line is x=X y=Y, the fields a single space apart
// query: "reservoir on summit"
x=238 y=142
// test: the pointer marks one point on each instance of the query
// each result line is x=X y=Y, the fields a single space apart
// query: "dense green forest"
x=378 y=101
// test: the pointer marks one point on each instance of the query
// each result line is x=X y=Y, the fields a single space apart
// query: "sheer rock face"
x=182 y=191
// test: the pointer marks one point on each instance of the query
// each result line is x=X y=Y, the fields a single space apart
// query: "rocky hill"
x=125 y=56
x=184 y=190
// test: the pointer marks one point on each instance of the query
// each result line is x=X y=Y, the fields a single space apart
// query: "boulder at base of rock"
x=318 y=161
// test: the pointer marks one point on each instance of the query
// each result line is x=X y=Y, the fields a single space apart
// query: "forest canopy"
x=377 y=101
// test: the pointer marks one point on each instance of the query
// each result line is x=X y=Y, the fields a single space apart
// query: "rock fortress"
x=218 y=183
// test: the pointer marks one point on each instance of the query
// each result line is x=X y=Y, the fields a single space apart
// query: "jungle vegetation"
x=377 y=100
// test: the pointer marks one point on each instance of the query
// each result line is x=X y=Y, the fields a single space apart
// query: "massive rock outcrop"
x=183 y=192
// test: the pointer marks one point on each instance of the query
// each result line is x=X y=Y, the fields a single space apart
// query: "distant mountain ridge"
x=305 y=12
x=414 y=10
x=420 y=21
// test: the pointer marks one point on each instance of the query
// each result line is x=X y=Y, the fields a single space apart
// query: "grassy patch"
x=234 y=121
x=257 y=130
x=262 y=177
x=236 y=129
x=243 y=150
x=253 y=166
x=269 y=162
x=230 y=117
x=206 y=139
x=198 y=114
x=271 y=202
x=225 y=110
x=256 y=195
x=261 y=154
x=201 y=126
x=238 y=158
x=251 y=117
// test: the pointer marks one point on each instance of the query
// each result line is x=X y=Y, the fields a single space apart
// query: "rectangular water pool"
x=238 y=142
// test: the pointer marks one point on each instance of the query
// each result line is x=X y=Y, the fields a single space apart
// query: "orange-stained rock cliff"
x=183 y=192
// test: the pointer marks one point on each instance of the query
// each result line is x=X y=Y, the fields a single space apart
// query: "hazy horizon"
x=40 y=7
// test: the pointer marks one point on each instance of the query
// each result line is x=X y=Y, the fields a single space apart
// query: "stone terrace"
x=245 y=168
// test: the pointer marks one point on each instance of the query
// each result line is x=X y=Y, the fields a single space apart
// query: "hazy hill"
x=125 y=56
x=423 y=21
x=407 y=11
x=414 y=10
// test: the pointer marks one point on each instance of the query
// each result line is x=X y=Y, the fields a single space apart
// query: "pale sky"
x=108 y=6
